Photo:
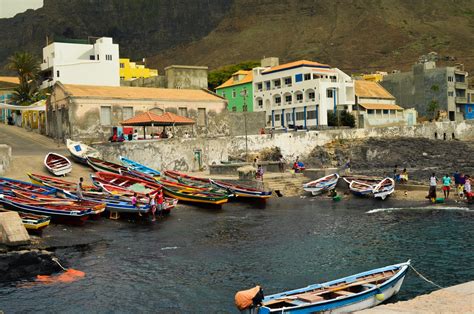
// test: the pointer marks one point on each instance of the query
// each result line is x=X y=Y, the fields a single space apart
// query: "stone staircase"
x=288 y=184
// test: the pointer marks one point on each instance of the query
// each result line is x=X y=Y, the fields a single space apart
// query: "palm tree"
x=27 y=67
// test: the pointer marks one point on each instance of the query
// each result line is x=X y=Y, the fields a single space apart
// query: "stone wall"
x=181 y=154
x=237 y=121
x=5 y=157
x=153 y=81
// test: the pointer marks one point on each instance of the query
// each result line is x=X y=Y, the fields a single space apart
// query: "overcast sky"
x=8 y=8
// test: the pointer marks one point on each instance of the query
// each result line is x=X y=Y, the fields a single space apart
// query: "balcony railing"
x=460 y=85
x=461 y=100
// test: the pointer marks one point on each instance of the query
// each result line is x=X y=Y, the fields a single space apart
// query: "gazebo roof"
x=152 y=119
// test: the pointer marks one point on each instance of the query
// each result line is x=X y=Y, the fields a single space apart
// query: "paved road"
x=23 y=142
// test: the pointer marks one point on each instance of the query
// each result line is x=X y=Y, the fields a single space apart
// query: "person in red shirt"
x=159 y=202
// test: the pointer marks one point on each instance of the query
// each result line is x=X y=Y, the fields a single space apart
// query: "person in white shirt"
x=135 y=135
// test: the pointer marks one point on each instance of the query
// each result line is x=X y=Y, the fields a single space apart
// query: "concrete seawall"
x=455 y=299
x=5 y=158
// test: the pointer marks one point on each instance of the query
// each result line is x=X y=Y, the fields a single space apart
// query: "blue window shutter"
x=298 y=77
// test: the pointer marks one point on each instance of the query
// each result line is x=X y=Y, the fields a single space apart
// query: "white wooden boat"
x=360 y=188
x=80 y=151
x=345 y=295
x=57 y=164
x=384 y=188
x=321 y=185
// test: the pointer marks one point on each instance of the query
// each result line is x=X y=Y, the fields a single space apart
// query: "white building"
x=301 y=93
x=80 y=63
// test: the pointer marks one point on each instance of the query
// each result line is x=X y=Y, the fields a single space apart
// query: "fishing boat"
x=384 y=188
x=359 y=188
x=321 y=185
x=133 y=184
x=133 y=165
x=345 y=295
x=32 y=222
x=101 y=165
x=58 y=183
x=182 y=176
x=242 y=191
x=25 y=186
x=57 y=164
x=191 y=195
x=362 y=178
x=80 y=151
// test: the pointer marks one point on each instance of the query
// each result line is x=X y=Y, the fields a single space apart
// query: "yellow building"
x=131 y=70
x=374 y=77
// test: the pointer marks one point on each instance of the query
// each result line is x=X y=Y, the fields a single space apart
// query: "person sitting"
x=298 y=166
x=404 y=176
x=113 y=138
x=135 y=135
x=121 y=138
x=262 y=131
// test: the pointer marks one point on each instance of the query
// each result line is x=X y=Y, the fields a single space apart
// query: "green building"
x=238 y=91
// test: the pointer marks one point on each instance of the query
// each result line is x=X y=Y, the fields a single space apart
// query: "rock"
x=246 y=173
x=12 y=231
x=425 y=154
x=25 y=264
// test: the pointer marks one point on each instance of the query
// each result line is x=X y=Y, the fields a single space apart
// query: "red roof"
x=150 y=118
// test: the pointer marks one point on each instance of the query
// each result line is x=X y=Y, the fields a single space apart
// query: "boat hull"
x=57 y=164
x=321 y=185
x=193 y=199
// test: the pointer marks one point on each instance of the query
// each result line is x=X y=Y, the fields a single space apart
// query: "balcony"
x=460 y=85
x=461 y=100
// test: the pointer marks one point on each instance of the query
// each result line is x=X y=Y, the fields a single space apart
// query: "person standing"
x=446 y=186
x=456 y=177
x=80 y=188
x=259 y=177
x=347 y=166
x=135 y=203
x=467 y=189
x=135 y=135
x=160 y=201
x=152 y=205
x=432 y=191
x=281 y=164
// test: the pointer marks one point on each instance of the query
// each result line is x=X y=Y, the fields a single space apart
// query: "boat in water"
x=101 y=165
x=349 y=294
x=80 y=151
x=384 y=188
x=322 y=185
x=57 y=164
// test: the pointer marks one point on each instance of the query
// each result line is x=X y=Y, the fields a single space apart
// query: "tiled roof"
x=122 y=92
x=294 y=65
x=368 y=89
x=148 y=118
x=230 y=82
x=381 y=106
x=9 y=79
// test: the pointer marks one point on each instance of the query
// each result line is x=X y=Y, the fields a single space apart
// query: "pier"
x=454 y=299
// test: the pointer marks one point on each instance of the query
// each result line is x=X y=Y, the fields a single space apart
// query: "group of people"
x=298 y=166
x=400 y=177
x=134 y=136
x=462 y=186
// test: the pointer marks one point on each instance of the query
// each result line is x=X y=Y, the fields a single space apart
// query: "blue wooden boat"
x=348 y=294
x=26 y=186
x=139 y=167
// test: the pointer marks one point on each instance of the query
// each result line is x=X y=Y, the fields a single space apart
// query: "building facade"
x=376 y=107
x=300 y=94
x=238 y=90
x=81 y=63
x=186 y=77
x=131 y=70
x=89 y=113
x=469 y=107
x=428 y=88
x=7 y=87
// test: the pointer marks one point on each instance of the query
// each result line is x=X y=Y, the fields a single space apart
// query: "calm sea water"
x=197 y=259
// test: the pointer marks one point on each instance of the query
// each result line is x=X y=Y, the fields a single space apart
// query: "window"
x=108 y=57
x=288 y=98
x=183 y=111
x=469 y=110
x=244 y=108
x=288 y=80
x=223 y=94
x=105 y=115
x=385 y=111
x=311 y=95
x=201 y=118
x=267 y=84
x=278 y=100
x=98 y=57
x=259 y=86
x=127 y=113
x=234 y=108
x=378 y=111
x=299 y=116
x=122 y=77
x=233 y=93
x=311 y=114
x=299 y=97
x=288 y=117
x=307 y=76
x=122 y=65
x=370 y=111
x=392 y=112
x=315 y=77
x=276 y=83
x=450 y=79
x=333 y=78
x=450 y=94
x=329 y=93
x=298 y=78
x=260 y=103
x=91 y=57
x=277 y=117
x=57 y=73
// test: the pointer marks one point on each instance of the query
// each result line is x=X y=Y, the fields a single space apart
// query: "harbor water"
x=196 y=259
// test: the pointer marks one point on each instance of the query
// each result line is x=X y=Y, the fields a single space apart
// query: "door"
x=410 y=119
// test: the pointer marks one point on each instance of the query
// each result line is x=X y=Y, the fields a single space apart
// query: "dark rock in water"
x=26 y=264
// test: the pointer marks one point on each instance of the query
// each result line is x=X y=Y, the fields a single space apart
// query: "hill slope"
x=358 y=35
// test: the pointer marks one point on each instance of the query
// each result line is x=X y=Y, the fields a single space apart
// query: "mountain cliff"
x=356 y=36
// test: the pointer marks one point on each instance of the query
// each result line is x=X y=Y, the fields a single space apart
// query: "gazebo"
x=152 y=119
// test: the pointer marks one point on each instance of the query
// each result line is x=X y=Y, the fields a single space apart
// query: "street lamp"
x=243 y=93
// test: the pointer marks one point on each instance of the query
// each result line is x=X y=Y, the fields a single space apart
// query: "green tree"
x=222 y=74
x=27 y=67
x=345 y=119
x=432 y=109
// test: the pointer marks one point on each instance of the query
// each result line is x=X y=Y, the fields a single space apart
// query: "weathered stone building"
x=89 y=113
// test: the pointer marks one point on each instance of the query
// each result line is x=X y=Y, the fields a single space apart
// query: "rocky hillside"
x=358 y=35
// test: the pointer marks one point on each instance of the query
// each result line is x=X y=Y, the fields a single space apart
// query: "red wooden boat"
x=126 y=182
x=57 y=164
x=25 y=186
x=58 y=183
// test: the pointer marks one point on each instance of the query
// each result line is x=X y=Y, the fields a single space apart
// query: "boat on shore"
x=58 y=183
x=349 y=294
x=133 y=165
x=26 y=186
x=362 y=178
x=80 y=151
x=57 y=164
x=32 y=222
x=241 y=190
x=321 y=185
x=101 y=165
x=359 y=188
x=384 y=188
